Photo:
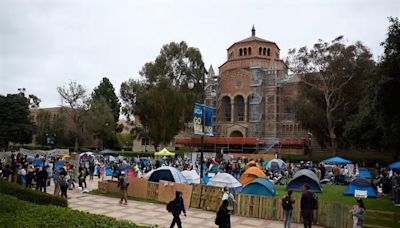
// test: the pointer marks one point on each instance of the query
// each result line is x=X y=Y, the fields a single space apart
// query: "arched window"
x=269 y=52
x=249 y=50
x=245 y=51
x=239 y=102
x=264 y=51
x=259 y=50
x=240 y=52
x=226 y=101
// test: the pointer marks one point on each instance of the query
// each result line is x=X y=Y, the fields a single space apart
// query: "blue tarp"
x=260 y=187
x=395 y=165
x=59 y=165
x=338 y=160
x=360 y=184
x=109 y=172
x=365 y=173
x=38 y=162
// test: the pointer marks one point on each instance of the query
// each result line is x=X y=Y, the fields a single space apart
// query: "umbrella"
x=30 y=158
x=66 y=157
x=111 y=158
x=87 y=153
x=225 y=180
x=191 y=176
x=337 y=160
x=164 y=152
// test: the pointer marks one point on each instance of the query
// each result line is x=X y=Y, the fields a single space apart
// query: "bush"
x=30 y=195
x=17 y=213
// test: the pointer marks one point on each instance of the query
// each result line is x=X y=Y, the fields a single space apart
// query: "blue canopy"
x=395 y=165
x=338 y=160
x=38 y=162
x=260 y=187
x=365 y=173
x=360 y=184
x=59 y=165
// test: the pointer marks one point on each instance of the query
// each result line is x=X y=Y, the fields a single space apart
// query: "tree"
x=15 y=124
x=75 y=97
x=106 y=91
x=161 y=99
x=330 y=74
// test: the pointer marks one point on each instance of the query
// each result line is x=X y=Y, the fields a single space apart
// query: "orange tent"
x=250 y=174
x=251 y=164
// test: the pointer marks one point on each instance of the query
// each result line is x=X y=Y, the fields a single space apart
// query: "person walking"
x=230 y=198
x=63 y=183
x=91 y=170
x=81 y=177
x=223 y=219
x=177 y=206
x=307 y=206
x=358 y=214
x=56 y=180
x=287 y=205
x=123 y=186
x=71 y=174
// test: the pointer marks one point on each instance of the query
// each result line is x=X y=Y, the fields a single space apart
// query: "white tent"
x=191 y=176
x=88 y=153
x=224 y=180
x=276 y=164
x=166 y=173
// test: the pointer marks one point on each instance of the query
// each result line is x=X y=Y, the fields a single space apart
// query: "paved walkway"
x=151 y=214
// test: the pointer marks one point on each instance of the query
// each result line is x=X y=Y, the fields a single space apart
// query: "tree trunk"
x=76 y=147
x=331 y=129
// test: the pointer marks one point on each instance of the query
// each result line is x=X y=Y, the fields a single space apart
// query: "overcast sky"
x=47 y=43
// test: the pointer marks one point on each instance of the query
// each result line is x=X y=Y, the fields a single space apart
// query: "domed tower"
x=248 y=102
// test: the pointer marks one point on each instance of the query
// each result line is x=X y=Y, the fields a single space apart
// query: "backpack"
x=170 y=206
x=63 y=181
x=286 y=203
x=231 y=202
x=125 y=182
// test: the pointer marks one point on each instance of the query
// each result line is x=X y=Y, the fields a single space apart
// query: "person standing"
x=81 y=176
x=91 y=170
x=287 y=205
x=56 y=180
x=123 y=185
x=71 y=174
x=358 y=214
x=177 y=207
x=223 y=219
x=63 y=183
x=307 y=206
x=230 y=198
x=43 y=179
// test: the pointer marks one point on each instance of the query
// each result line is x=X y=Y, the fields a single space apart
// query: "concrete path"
x=151 y=214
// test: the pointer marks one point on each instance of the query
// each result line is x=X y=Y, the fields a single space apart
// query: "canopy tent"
x=225 y=180
x=364 y=173
x=66 y=157
x=191 y=176
x=337 y=160
x=87 y=153
x=111 y=158
x=58 y=165
x=166 y=173
x=164 y=152
x=395 y=165
x=250 y=174
x=302 y=177
x=37 y=162
x=276 y=165
x=260 y=187
x=107 y=151
x=253 y=163
x=361 y=184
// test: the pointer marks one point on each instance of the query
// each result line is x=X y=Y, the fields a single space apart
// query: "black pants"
x=42 y=185
x=307 y=218
x=64 y=191
x=176 y=220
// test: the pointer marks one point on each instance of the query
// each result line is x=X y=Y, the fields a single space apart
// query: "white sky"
x=47 y=43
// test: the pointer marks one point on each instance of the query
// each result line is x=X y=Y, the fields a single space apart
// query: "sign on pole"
x=198 y=120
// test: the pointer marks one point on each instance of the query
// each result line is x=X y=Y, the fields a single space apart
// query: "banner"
x=198 y=120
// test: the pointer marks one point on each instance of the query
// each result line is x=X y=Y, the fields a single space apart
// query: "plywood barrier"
x=137 y=187
x=102 y=186
x=152 y=190
x=167 y=192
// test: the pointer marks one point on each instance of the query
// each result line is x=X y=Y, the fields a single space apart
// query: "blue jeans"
x=288 y=218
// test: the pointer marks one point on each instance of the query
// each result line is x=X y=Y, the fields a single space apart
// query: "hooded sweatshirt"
x=178 y=204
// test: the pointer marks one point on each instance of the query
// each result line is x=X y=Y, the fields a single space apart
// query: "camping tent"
x=362 y=184
x=253 y=163
x=337 y=160
x=395 y=165
x=88 y=153
x=250 y=174
x=276 y=165
x=191 y=176
x=107 y=151
x=364 y=173
x=225 y=180
x=164 y=152
x=304 y=176
x=66 y=157
x=166 y=173
x=260 y=187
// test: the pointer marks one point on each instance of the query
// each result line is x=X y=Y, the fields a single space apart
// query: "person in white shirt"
x=231 y=199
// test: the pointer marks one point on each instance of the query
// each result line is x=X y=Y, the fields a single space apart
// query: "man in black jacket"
x=307 y=206
x=42 y=178
x=178 y=207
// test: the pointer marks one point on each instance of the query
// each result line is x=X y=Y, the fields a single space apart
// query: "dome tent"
x=191 y=176
x=362 y=184
x=225 y=180
x=166 y=173
x=260 y=187
x=250 y=174
x=276 y=165
x=302 y=177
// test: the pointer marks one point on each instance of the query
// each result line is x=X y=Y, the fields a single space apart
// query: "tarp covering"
x=191 y=176
x=250 y=174
x=167 y=173
x=276 y=165
x=395 y=165
x=365 y=173
x=360 y=184
x=59 y=165
x=164 y=152
x=260 y=187
x=302 y=177
x=225 y=180
x=337 y=160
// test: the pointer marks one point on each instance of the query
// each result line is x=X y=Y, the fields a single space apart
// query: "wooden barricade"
x=196 y=195
x=152 y=190
x=108 y=186
x=167 y=192
x=210 y=198
x=137 y=187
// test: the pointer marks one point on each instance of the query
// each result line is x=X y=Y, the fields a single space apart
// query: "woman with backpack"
x=223 y=219
x=358 y=214
x=287 y=205
x=176 y=207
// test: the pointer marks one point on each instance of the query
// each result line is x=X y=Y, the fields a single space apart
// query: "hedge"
x=18 y=213
x=30 y=195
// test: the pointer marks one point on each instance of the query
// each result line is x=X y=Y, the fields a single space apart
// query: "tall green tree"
x=332 y=74
x=161 y=100
x=15 y=124
x=106 y=91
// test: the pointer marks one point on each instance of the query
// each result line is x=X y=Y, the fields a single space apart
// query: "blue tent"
x=360 y=184
x=260 y=187
x=365 y=173
x=337 y=160
x=109 y=172
x=302 y=177
x=38 y=162
x=59 y=165
x=395 y=165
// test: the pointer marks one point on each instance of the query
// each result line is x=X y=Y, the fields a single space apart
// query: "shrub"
x=30 y=195
x=17 y=213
